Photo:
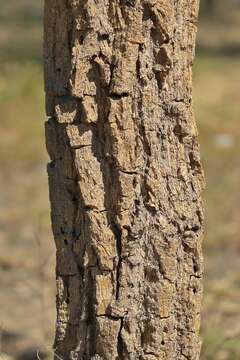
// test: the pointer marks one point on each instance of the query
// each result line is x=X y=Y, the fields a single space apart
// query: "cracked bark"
x=125 y=178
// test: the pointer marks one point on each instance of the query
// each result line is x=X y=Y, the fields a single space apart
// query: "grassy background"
x=27 y=252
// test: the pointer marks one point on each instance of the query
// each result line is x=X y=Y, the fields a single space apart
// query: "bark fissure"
x=118 y=235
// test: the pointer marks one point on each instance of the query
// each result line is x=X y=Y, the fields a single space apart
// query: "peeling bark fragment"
x=79 y=136
x=125 y=178
x=90 y=112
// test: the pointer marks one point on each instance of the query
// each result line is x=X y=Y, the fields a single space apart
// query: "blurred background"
x=27 y=302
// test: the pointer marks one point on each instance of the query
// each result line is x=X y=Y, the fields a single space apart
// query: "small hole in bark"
x=115 y=96
x=162 y=342
x=76 y=233
x=81 y=39
x=135 y=182
x=65 y=242
x=104 y=37
x=194 y=290
x=195 y=227
x=195 y=268
x=177 y=130
x=52 y=164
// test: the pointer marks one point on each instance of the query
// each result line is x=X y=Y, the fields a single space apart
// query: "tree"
x=125 y=178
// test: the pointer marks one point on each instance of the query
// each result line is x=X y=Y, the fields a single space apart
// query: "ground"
x=27 y=300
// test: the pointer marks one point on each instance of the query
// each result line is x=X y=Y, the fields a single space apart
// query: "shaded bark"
x=125 y=178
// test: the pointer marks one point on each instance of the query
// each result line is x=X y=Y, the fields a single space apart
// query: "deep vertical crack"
x=118 y=236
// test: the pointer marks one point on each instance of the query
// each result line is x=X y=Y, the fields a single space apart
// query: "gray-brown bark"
x=125 y=178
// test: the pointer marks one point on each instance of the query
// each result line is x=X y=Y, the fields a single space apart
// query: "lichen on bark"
x=125 y=178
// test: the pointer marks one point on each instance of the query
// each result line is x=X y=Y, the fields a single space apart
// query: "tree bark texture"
x=125 y=178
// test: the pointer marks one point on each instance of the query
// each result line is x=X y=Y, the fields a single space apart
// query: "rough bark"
x=125 y=178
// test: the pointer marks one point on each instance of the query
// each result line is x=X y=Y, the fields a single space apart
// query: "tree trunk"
x=125 y=178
